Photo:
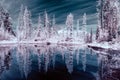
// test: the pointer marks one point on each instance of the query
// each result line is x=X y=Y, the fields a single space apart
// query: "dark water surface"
x=56 y=62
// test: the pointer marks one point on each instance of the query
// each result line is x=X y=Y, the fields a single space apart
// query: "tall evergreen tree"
x=97 y=33
x=78 y=27
x=84 y=26
x=2 y=31
x=46 y=24
x=91 y=36
x=7 y=21
x=98 y=19
x=27 y=23
x=109 y=19
x=69 y=24
x=84 y=22
x=39 y=28
x=54 y=30
x=20 y=26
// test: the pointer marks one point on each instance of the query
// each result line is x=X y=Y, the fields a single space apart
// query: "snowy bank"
x=105 y=45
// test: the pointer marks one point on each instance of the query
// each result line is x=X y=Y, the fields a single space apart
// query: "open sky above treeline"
x=61 y=8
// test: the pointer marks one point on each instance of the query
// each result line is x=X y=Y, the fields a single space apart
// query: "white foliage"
x=69 y=24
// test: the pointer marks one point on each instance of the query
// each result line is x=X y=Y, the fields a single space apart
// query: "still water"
x=57 y=62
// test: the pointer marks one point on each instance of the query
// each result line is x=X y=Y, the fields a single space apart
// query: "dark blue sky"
x=61 y=8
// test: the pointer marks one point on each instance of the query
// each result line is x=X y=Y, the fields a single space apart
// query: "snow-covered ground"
x=106 y=45
x=62 y=38
x=58 y=40
x=7 y=42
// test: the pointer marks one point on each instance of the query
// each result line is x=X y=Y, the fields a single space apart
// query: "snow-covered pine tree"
x=52 y=25
x=50 y=28
x=84 y=22
x=6 y=21
x=2 y=32
x=39 y=30
x=20 y=26
x=109 y=19
x=118 y=20
x=53 y=30
x=8 y=24
x=46 y=24
x=87 y=37
x=91 y=36
x=30 y=26
x=116 y=17
x=84 y=26
x=97 y=33
x=69 y=24
x=98 y=20
x=27 y=24
x=78 y=27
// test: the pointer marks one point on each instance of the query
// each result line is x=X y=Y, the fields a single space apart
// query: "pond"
x=56 y=62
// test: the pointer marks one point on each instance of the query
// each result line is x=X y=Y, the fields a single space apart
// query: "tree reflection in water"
x=5 y=58
x=57 y=62
x=110 y=66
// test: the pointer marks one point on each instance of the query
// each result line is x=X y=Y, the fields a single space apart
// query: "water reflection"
x=110 y=66
x=23 y=60
x=51 y=62
x=5 y=59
